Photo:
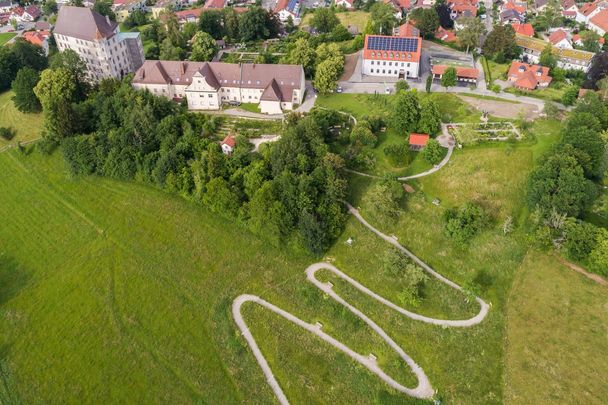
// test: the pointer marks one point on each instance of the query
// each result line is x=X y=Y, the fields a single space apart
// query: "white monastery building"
x=107 y=52
x=392 y=56
x=208 y=85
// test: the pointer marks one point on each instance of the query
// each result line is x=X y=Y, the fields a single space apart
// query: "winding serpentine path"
x=424 y=388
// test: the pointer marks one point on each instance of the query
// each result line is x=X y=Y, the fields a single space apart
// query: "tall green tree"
x=406 y=111
x=382 y=19
x=104 y=7
x=301 y=53
x=23 y=86
x=203 y=47
x=324 y=19
x=500 y=43
x=448 y=79
x=49 y=7
x=470 y=33
x=427 y=21
x=547 y=57
x=9 y=66
x=56 y=90
x=430 y=117
x=257 y=23
x=210 y=21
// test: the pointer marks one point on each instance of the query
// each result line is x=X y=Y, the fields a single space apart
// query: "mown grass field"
x=557 y=323
x=6 y=36
x=348 y=18
x=27 y=126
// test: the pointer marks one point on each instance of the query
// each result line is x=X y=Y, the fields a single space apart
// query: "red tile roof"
x=587 y=8
x=418 y=139
x=520 y=8
x=523 y=29
x=469 y=73
x=408 y=30
x=186 y=14
x=557 y=36
x=600 y=19
x=229 y=140
x=445 y=35
x=527 y=76
x=36 y=37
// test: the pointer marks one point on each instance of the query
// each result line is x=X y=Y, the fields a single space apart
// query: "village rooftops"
x=278 y=81
x=84 y=23
x=538 y=45
x=407 y=30
x=557 y=36
x=600 y=20
x=461 y=72
x=528 y=77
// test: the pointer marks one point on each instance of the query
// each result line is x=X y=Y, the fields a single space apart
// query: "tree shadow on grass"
x=12 y=278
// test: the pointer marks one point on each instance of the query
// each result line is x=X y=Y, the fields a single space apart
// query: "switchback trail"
x=424 y=388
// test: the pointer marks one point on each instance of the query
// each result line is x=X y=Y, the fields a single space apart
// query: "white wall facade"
x=390 y=68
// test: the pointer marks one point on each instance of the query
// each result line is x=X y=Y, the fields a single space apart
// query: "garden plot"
x=485 y=131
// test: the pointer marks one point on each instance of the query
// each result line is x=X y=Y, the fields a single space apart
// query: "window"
x=210 y=95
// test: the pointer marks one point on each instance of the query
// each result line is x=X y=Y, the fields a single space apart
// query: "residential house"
x=208 y=85
x=528 y=77
x=189 y=16
x=406 y=30
x=228 y=144
x=123 y=8
x=40 y=38
x=511 y=16
x=392 y=56
x=599 y=22
x=559 y=39
x=288 y=8
x=540 y=5
x=27 y=14
x=569 y=9
x=460 y=8
x=520 y=7
x=464 y=75
x=163 y=6
x=418 y=141
x=566 y=58
x=525 y=29
x=348 y=4
x=6 y=6
x=400 y=7
x=445 y=35
x=42 y=26
x=107 y=52
x=588 y=10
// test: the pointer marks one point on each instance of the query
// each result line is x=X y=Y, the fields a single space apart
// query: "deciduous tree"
x=203 y=47
x=23 y=86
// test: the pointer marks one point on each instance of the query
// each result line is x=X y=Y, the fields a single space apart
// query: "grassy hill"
x=27 y=126
x=115 y=292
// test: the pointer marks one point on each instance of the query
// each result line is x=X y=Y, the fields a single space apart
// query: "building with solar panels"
x=387 y=56
x=288 y=8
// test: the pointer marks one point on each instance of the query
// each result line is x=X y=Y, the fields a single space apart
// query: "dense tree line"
x=291 y=193
x=565 y=183
x=16 y=56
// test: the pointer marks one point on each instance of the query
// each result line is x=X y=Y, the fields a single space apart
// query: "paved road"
x=424 y=388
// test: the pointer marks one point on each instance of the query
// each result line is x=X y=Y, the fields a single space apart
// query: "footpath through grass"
x=27 y=126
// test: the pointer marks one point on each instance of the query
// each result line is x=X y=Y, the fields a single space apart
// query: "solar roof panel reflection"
x=392 y=44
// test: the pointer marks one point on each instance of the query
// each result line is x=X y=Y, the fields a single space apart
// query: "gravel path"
x=424 y=389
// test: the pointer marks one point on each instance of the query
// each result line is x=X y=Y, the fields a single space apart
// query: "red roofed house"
x=39 y=38
x=390 y=56
x=599 y=22
x=463 y=74
x=520 y=7
x=186 y=16
x=288 y=8
x=528 y=77
x=569 y=9
x=418 y=141
x=228 y=144
x=445 y=35
x=30 y=13
x=523 y=29
x=345 y=3
x=559 y=39
x=406 y=30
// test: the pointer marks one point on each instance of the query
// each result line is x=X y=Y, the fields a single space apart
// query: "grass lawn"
x=28 y=126
x=6 y=36
x=548 y=94
x=557 y=323
x=498 y=70
x=251 y=107
x=348 y=18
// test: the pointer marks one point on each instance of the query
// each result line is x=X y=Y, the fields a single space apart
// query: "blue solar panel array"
x=392 y=44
